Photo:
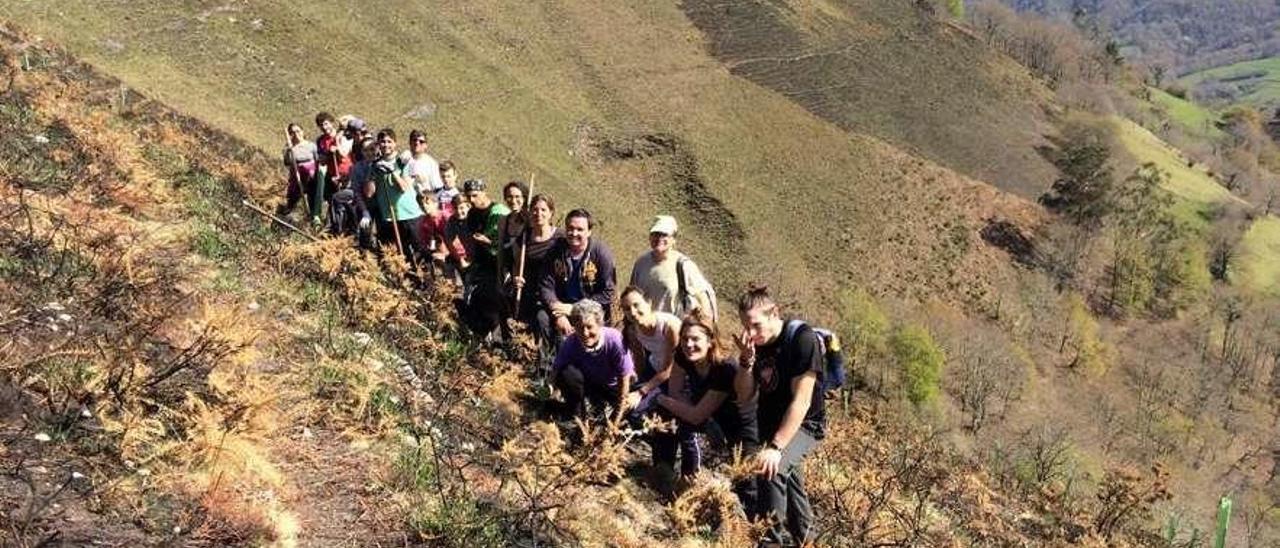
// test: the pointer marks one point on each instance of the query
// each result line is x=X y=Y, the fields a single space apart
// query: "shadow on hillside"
x=1005 y=235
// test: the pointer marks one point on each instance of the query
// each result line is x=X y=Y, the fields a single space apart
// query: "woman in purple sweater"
x=593 y=365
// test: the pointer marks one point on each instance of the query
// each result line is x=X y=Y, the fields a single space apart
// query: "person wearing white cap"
x=669 y=279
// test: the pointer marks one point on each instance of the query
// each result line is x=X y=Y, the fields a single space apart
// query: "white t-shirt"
x=659 y=343
x=425 y=171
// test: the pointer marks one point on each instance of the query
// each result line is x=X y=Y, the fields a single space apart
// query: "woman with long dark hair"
x=539 y=234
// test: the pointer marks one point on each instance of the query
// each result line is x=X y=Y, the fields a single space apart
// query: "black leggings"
x=580 y=394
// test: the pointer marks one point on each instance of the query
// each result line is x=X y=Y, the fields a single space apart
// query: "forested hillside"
x=1180 y=35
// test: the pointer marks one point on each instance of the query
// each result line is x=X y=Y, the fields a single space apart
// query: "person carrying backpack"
x=787 y=373
x=668 y=278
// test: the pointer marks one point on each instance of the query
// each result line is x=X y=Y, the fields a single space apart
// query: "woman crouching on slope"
x=707 y=387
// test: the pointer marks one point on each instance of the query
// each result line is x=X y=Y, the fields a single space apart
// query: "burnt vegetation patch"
x=1005 y=235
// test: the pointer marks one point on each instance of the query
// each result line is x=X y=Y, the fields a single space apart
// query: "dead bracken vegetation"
x=175 y=371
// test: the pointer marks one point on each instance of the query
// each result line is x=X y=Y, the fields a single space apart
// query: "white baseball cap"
x=664 y=224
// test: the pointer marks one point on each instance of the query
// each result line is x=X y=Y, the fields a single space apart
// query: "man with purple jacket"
x=579 y=267
x=593 y=365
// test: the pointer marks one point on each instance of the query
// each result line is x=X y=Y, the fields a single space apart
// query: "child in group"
x=447 y=193
x=454 y=251
x=433 y=233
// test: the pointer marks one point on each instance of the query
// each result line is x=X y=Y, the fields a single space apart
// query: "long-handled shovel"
x=333 y=157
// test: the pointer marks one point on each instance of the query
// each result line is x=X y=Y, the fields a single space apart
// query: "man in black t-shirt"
x=786 y=366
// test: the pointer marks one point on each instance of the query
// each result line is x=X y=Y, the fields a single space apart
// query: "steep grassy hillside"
x=888 y=70
x=177 y=372
x=1197 y=195
x=1255 y=83
x=1261 y=253
x=394 y=427
x=1189 y=116
x=556 y=88
x=1192 y=184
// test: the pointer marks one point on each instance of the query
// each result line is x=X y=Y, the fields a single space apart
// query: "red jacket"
x=328 y=147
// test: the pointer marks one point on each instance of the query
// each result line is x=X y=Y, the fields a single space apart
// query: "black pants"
x=783 y=499
x=410 y=238
x=578 y=394
x=482 y=304
x=546 y=329
x=687 y=439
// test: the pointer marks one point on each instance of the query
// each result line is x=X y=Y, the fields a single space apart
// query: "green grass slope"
x=1197 y=194
x=1192 y=185
x=554 y=88
x=1255 y=82
x=1189 y=116
x=1260 y=268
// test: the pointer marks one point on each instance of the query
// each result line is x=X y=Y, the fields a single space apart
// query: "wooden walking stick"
x=391 y=209
x=282 y=222
x=524 y=242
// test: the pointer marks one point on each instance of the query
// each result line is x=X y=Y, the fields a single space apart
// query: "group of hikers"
x=665 y=358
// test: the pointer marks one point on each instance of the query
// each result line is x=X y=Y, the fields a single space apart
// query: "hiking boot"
x=662 y=478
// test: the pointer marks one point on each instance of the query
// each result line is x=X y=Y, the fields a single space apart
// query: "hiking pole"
x=395 y=222
x=282 y=222
x=293 y=162
x=524 y=242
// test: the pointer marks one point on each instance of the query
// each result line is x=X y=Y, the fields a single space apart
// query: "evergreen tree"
x=1083 y=158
